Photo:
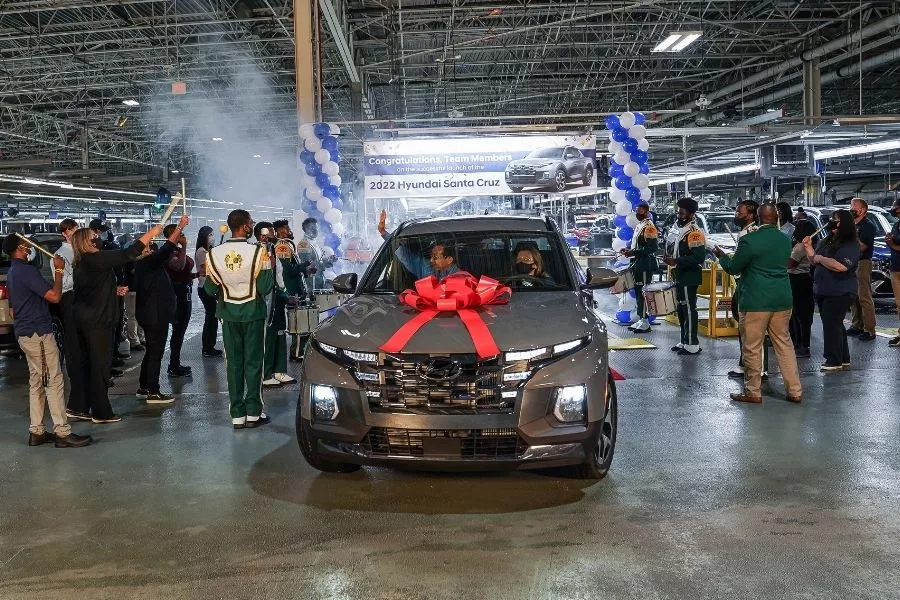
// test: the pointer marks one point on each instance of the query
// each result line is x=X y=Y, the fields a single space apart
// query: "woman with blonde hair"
x=529 y=262
x=96 y=311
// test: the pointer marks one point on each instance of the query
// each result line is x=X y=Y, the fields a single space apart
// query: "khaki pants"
x=863 y=310
x=54 y=394
x=134 y=331
x=754 y=326
x=895 y=285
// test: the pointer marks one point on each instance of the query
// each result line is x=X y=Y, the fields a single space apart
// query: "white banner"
x=480 y=166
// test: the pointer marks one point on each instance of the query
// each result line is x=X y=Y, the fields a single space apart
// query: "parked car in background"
x=551 y=169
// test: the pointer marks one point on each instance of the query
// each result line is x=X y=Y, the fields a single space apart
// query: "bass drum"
x=302 y=320
x=660 y=298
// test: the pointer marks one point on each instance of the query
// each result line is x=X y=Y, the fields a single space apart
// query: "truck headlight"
x=324 y=402
x=570 y=404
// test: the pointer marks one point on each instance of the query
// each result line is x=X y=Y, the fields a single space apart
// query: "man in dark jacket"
x=180 y=267
x=155 y=309
x=687 y=258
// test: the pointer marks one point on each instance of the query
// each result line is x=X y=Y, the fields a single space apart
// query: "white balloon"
x=323 y=205
x=617 y=195
x=623 y=208
x=640 y=181
x=643 y=144
x=335 y=180
x=307 y=131
x=631 y=169
x=646 y=194
x=614 y=147
x=627 y=120
x=618 y=244
x=337 y=228
x=313 y=144
x=323 y=156
x=328 y=251
x=623 y=158
x=331 y=168
x=334 y=129
x=638 y=132
x=631 y=220
x=314 y=193
x=333 y=216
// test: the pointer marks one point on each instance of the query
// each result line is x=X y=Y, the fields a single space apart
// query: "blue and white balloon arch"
x=320 y=179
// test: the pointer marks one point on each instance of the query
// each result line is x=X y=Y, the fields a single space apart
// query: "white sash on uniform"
x=234 y=266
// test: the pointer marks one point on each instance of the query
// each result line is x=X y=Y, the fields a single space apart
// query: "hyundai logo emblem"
x=440 y=369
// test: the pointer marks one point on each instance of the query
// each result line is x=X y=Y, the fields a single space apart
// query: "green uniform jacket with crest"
x=761 y=260
x=644 y=252
x=240 y=275
x=292 y=271
x=691 y=256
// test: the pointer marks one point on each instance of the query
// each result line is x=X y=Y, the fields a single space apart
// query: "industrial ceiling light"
x=131 y=102
x=854 y=150
x=257 y=156
x=677 y=41
x=217 y=139
x=707 y=174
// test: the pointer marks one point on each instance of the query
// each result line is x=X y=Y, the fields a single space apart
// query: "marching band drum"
x=624 y=283
x=660 y=298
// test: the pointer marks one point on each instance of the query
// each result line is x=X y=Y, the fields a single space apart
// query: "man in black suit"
x=155 y=309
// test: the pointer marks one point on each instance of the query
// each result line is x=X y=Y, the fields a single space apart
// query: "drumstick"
x=183 y=195
x=169 y=210
x=32 y=244
x=728 y=229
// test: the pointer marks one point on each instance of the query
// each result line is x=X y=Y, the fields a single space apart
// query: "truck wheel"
x=310 y=450
x=516 y=188
x=588 y=175
x=560 y=181
x=597 y=464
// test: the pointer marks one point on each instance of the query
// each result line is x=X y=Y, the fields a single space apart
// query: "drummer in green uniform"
x=643 y=249
x=687 y=257
x=293 y=273
x=240 y=274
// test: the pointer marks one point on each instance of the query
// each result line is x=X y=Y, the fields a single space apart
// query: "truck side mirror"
x=344 y=283
x=599 y=278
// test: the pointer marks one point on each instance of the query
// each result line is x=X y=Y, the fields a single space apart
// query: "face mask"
x=523 y=268
x=682 y=222
x=32 y=254
x=739 y=222
x=97 y=243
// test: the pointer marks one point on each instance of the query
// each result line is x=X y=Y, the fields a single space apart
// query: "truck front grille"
x=482 y=444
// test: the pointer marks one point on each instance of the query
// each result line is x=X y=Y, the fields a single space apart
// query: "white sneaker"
x=642 y=326
x=284 y=378
x=271 y=382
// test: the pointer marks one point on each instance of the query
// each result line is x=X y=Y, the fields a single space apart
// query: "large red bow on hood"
x=460 y=293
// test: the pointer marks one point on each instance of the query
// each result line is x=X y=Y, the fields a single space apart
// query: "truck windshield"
x=546 y=153
x=408 y=258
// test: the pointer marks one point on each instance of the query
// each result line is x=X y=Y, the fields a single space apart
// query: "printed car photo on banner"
x=480 y=166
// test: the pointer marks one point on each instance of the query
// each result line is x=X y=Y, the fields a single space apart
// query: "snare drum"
x=327 y=299
x=624 y=283
x=660 y=298
x=302 y=320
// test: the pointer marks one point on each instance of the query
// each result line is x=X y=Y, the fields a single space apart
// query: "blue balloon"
x=612 y=122
x=337 y=203
x=307 y=157
x=331 y=192
x=620 y=221
x=336 y=156
x=631 y=293
x=639 y=118
x=625 y=233
x=623 y=316
x=632 y=194
x=322 y=180
x=620 y=134
x=338 y=252
x=616 y=170
x=645 y=168
x=630 y=145
x=639 y=156
x=308 y=206
x=321 y=130
x=332 y=240
x=623 y=183
x=635 y=204
x=325 y=227
x=313 y=169
x=330 y=143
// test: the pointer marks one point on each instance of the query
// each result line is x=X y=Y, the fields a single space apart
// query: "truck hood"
x=530 y=320
x=534 y=162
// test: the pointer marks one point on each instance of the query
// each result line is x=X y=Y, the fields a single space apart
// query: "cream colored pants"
x=895 y=285
x=754 y=326
x=863 y=310
x=41 y=351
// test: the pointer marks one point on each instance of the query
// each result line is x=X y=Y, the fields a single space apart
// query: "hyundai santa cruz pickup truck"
x=546 y=400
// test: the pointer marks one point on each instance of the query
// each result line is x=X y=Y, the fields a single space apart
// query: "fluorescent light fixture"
x=677 y=41
x=267 y=163
x=174 y=171
x=257 y=156
x=854 y=150
x=707 y=174
x=131 y=102
x=217 y=139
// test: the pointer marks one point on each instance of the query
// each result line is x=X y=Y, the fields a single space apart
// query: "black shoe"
x=854 y=331
x=35 y=439
x=684 y=352
x=802 y=353
x=118 y=362
x=141 y=393
x=262 y=420
x=72 y=441
x=736 y=374
x=214 y=353
x=116 y=372
x=160 y=399
x=894 y=342
x=78 y=416
x=677 y=348
x=121 y=355
x=112 y=419
x=179 y=372
x=295 y=359
x=137 y=347
x=110 y=383
x=866 y=337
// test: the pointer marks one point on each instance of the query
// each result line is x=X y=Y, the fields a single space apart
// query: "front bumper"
x=526 y=437
x=537 y=178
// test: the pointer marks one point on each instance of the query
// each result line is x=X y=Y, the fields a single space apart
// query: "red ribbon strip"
x=460 y=293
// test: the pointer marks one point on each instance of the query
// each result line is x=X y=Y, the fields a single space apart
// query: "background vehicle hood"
x=530 y=320
x=535 y=162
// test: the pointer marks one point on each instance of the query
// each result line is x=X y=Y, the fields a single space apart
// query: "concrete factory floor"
x=706 y=499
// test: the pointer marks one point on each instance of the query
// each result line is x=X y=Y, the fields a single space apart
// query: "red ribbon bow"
x=460 y=293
